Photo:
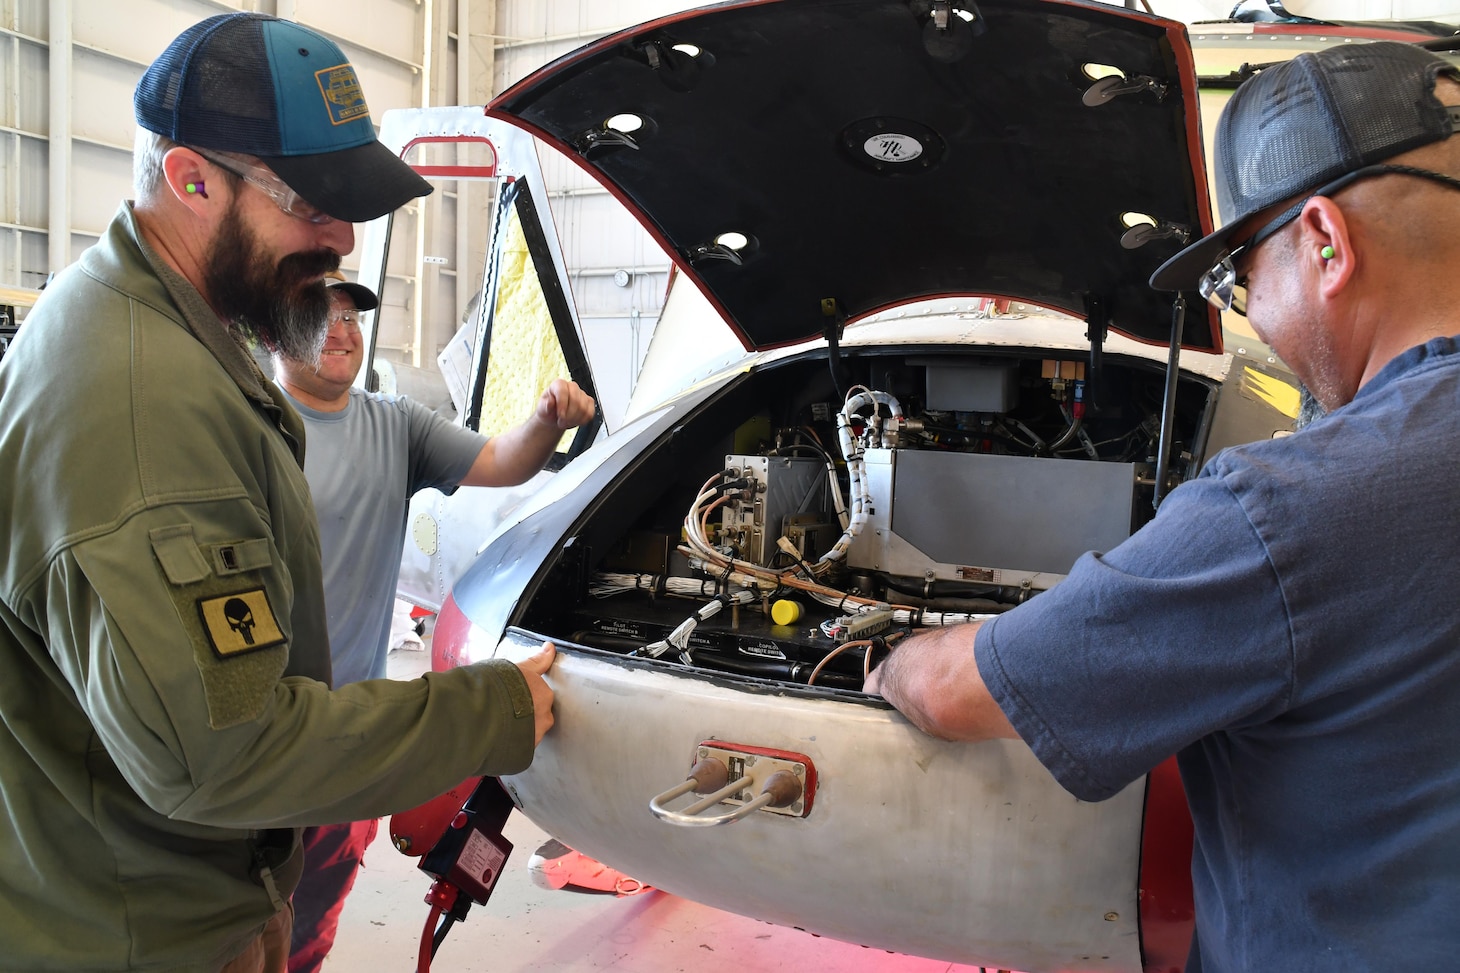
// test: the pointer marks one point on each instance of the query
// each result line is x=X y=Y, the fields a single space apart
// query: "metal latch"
x=749 y=778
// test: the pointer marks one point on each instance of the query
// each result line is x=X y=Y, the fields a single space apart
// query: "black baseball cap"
x=1301 y=124
x=363 y=297
x=270 y=88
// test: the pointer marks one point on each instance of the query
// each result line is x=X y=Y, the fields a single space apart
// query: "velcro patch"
x=240 y=623
x=342 y=94
x=237 y=556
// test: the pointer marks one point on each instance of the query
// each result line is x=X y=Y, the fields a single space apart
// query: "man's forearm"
x=514 y=456
x=933 y=680
x=525 y=449
x=517 y=454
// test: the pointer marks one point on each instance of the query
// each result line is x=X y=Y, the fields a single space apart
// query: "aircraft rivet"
x=704 y=752
x=1112 y=916
x=800 y=770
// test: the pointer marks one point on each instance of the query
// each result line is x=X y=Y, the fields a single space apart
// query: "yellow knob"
x=785 y=612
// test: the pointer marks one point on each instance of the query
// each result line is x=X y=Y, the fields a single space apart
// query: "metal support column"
x=59 y=223
x=476 y=24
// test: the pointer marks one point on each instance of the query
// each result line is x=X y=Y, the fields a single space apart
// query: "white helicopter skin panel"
x=870 y=861
x=444 y=534
x=424 y=578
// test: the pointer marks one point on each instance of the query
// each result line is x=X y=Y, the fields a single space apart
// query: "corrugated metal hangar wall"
x=66 y=131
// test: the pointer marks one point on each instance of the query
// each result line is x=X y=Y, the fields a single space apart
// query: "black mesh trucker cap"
x=363 y=297
x=1307 y=121
x=266 y=87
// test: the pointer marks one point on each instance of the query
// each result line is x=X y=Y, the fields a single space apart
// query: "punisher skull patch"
x=238 y=624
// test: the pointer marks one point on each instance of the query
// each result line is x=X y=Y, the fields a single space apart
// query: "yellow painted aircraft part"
x=18 y=296
x=525 y=354
x=1281 y=395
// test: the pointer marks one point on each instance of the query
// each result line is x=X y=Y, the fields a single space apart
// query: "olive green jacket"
x=163 y=726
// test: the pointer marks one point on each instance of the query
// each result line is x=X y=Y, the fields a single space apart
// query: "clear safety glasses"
x=1222 y=288
x=266 y=182
x=350 y=319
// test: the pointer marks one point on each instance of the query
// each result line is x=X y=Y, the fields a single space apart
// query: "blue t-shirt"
x=1287 y=626
x=363 y=464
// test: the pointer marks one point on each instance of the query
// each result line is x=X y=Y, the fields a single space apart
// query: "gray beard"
x=299 y=333
x=284 y=307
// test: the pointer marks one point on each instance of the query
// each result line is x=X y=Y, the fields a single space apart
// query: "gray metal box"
x=787 y=487
x=972 y=387
x=1001 y=519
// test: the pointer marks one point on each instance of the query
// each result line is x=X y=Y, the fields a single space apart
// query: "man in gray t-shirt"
x=366 y=454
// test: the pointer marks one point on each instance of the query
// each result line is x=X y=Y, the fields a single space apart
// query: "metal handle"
x=780 y=789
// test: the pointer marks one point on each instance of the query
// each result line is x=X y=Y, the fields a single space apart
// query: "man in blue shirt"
x=1285 y=624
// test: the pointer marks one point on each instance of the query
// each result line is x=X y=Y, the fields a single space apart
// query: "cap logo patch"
x=342 y=94
x=240 y=623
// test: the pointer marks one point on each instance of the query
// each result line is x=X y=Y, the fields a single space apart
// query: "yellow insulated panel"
x=525 y=354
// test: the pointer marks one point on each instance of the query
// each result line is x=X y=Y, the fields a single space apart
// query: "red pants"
x=332 y=857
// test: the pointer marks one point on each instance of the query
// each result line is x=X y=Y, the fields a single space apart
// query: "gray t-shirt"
x=363 y=464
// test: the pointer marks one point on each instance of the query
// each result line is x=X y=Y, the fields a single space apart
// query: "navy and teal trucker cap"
x=270 y=88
